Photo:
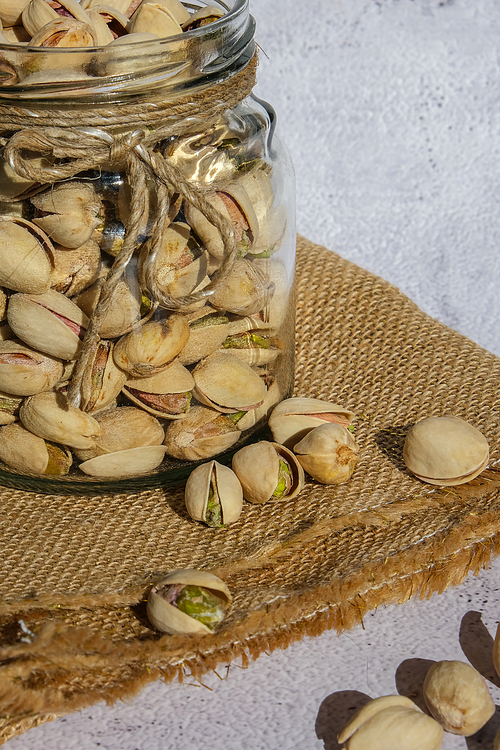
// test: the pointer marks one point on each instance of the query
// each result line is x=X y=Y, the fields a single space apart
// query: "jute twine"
x=81 y=139
x=77 y=569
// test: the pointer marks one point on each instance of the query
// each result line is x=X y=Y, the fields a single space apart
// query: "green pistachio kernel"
x=201 y=604
x=284 y=479
x=59 y=463
x=209 y=320
x=246 y=340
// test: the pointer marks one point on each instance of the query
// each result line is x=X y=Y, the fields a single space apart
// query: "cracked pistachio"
x=25 y=256
x=166 y=394
x=11 y=12
x=124 y=310
x=68 y=212
x=253 y=416
x=208 y=332
x=227 y=384
x=213 y=495
x=109 y=23
x=254 y=347
x=38 y=13
x=23 y=451
x=293 y=418
x=152 y=347
x=187 y=602
x=268 y=471
x=25 y=371
x=391 y=722
x=64 y=32
x=245 y=291
x=75 y=269
x=458 y=698
x=201 y=434
x=156 y=18
x=51 y=417
x=328 y=453
x=445 y=451
x=202 y=17
x=102 y=380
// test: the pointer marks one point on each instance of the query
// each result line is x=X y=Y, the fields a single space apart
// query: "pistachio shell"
x=50 y=323
x=175 y=8
x=208 y=333
x=64 y=32
x=25 y=452
x=117 y=23
x=103 y=380
x=38 y=13
x=397 y=727
x=49 y=416
x=293 y=418
x=124 y=310
x=121 y=429
x=258 y=414
x=445 y=451
x=257 y=466
x=75 y=269
x=70 y=212
x=166 y=394
x=24 y=371
x=166 y=617
x=201 y=17
x=127 y=463
x=369 y=710
x=225 y=486
x=201 y=434
x=154 y=17
x=25 y=256
x=152 y=347
x=328 y=453
x=11 y=12
x=227 y=384
x=245 y=291
x=16 y=34
x=13 y=185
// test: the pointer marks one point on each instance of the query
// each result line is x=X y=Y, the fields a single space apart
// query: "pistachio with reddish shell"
x=124 y=309
x=25 y=256
x=121 y=429
x=49 y=322
x=64 y=32
x=202 y=17
x=445 y=451
x=328 y=453
x=166 y=394
x=227 y=384
x=154 y=17
x=68 y=212
x=75 y=269
x=293 y=418
x=245 y=291
x=25 y=452
x=267 y=471
x=49 y=416
x=188 y=601
x=38 y=13
x=25 y=371
x=9 y=407
x=213 y=495
x=152 y=347
x=102 y=379
x=201 y=434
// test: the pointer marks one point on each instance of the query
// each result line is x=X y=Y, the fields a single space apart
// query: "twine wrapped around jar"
x=82 y=139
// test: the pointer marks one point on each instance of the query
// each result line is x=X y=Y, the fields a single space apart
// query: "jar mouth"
x=164 y=66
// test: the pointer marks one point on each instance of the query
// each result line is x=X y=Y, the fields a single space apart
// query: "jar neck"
x=165 y=69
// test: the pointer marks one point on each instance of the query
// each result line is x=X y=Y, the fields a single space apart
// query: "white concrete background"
x=391 y=111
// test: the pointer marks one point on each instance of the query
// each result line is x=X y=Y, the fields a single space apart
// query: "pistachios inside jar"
x=147 y=242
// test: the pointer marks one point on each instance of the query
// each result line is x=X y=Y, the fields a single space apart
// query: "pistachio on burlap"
x=445 y=451
x=267 y=471
x=458 y=697
x=213 y=495
x=293 y=418
x=49 y=416
x=391 y=722
x=23 y=451
x=202 y=433
x=328 y=453
x=25 y=371
x=187 y=602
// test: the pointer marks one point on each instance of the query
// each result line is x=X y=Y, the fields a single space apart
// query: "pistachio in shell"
x=293 y=418
x=25 y=371
x=151 y=348
x=202 y=17
x=11 y=12
x=75 y=270
x=445 y=451
x=256 y=348
x=245 y=291
x=188 y=602
x=166 y=394
x=268 y=471
x=124 y=309
x=154 y=17
x=25 y=452
x=9 y=407
x=207 y=334
x=64 y=32
x=68 y=213
x=25 y=256
x=228 y=384
x=328 y=453
x=128 y=463
x=213 y=495
x=37 y=13
x=201 y=434
x=258 y=414
x=102 y=380
x=51 y=417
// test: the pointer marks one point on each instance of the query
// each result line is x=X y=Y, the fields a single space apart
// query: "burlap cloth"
x=76 y=569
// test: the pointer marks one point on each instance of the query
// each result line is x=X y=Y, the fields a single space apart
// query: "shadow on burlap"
x=77 y=569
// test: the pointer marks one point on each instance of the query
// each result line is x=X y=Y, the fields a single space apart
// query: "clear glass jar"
x=143 y=331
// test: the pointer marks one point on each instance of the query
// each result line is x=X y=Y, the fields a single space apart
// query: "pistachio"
x=254 y=347
x=124 y=309
x=201 y=434
x=207 y=334
x=110 y=24
x=103 y=380
x=75 y=270
x=187 y=602
x=25 y=256
x=458 y=697
x=13 y=185
x=121 y=429
x=293 y=418
x=11 y=12
x=391 y=723
x=253 y=416
x=202 y=17
x=9 y=407
x=49 y=416
x=156 y=18
x=69 y=212
x=227 y=384
x=127 y=463
x=50 y=323
x=17 y=35
x=445 y=451
x=152 y=347
x=268 y=471
x=64 y=32
x=328 y=453
x=213 y=494
x=25 y=452
x=38 y=13
x=176 y=9
x=25 y=371
x=245 y=291
x=166 y=394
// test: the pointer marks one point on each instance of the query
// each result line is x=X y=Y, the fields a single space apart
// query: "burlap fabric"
x=76 y=569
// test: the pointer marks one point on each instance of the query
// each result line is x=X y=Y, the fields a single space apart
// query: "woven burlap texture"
x=76 y=569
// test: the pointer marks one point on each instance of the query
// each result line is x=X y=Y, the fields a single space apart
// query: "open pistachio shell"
x=268 y=471
x=25 y=371
x=328 y=453
x=122 y=428
x=166 y=394
x=227 y=384
x=201 y=434
x=445 y=451
x=293 y=418
x=208 y=333
x=49 y=416
x=396 y=727
x=163 y=601
x=117 y=23
x=256 y=348
x=254 y=416
x=49 y=322
x=213 y=495
x=127 y=463
x=152 y=347
x=25 y=452
x=202 y=17
x=64 y=32
x=69 y=212
x=176 y=10
x=38 y=13
x=369 y=710
x=103 y=380
x=25 y=256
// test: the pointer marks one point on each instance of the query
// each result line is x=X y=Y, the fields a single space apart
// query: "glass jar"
x=147 y=247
